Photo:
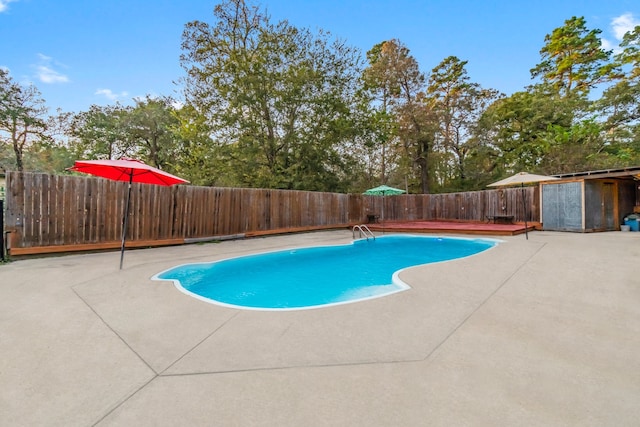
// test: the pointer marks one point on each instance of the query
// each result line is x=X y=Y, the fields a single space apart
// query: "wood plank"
x=94 y=210
x=29 y=214
x=81 y=210
x=149 y=217
x=156 y=212
x=133 y=227
x=112 y=215
x=39 y=250
x=101 y=211
x=65 y=232
x=15 y=207
x=56 y=219
x=162 y=213
x=288 y=230
x=181 y=206
x=45 y=212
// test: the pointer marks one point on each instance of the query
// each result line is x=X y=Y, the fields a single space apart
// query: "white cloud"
x=620 y=25
x=4 y=5
x=623 y=24
x=47 y=75
x=110 y=95
x=46 y=72
x=607 y=45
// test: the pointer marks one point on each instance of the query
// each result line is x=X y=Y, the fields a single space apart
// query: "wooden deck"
x=458 y=227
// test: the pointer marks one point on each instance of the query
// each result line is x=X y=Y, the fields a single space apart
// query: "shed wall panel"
x=562 y=206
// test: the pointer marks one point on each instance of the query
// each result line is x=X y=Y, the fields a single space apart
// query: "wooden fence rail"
x=60 y=213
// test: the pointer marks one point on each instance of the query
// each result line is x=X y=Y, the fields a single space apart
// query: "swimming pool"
x=313 y=277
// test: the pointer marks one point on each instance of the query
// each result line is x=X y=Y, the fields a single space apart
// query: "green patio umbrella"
x=383 y=190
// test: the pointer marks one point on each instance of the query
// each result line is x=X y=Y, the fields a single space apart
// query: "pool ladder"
x=363 y=230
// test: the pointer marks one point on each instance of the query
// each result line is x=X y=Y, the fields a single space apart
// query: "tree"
x=147 y=131
x=552 y=127
x=630 y=55
x=51 y=153
x=380 y=81
x=573 y=59
x=22 y=116
x=619 y=107
x=396 y=77
x=457 y=104
x=415 y=124
x=48 y=156
x=278 y=99
x=517 y=126
x=198 y=159
x=150 y=128
x=100 y=132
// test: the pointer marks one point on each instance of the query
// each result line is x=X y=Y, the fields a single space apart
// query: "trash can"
x=633 y=221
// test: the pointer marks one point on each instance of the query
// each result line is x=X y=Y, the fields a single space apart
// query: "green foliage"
x=573 y=59
x=279 y=100
x=7 y=157
x=397 y=85
x=457 y=105
x=147 y=131
x=554 y=127
x=22 y=117
x=100 y=133
x=573 y=148
x=197 y=158
x=517 y=127
x=630 y=55
x=48 y=156
x=271 y=105
x=149 y=127
x=620 y=108
x=382 y=86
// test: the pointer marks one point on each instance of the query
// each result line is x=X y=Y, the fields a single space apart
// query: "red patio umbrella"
x=128 y=170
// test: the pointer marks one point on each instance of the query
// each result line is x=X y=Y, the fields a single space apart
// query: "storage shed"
x=590 y=201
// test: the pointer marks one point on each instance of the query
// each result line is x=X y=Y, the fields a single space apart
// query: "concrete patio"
x=538 y=332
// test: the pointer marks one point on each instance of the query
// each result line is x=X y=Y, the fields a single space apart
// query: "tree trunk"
x=423 y=163
x=18 y=146
x=424 y=174
x=383 y=171
x=19 y=162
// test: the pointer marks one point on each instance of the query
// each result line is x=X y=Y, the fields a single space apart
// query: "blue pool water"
x=317 y=276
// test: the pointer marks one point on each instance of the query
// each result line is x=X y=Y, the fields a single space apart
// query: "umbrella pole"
x=125 y=221
x=524 y=205
x=382 y=212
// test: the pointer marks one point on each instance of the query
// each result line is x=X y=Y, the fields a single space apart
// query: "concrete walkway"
x=538 y=332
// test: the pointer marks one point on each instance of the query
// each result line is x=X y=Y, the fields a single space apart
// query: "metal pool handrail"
x=363 y=230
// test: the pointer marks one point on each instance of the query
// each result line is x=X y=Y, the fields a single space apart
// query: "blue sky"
x=84 y=52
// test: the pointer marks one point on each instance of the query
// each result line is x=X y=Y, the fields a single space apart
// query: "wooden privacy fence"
x=51 y=213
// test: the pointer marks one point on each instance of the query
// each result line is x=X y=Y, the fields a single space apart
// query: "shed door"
x=608 y=205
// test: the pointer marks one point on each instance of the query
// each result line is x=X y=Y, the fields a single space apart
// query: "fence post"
x=2 y=248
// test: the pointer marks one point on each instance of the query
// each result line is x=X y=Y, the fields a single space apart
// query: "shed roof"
x=628 y=172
